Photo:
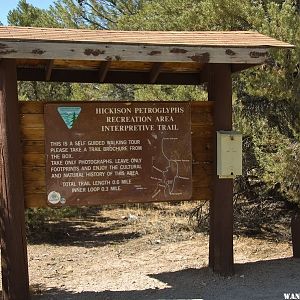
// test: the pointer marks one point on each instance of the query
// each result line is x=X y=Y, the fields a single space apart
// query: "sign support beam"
x=15 y=282
x=295 y=228
x=221 y=205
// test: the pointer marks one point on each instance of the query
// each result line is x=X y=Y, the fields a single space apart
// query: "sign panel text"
x=121 y=151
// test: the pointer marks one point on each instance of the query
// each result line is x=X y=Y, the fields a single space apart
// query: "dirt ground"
x=152 y=254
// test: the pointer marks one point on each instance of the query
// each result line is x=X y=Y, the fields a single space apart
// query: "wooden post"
x=295 y=227
x=15 y=283
x=221 y=206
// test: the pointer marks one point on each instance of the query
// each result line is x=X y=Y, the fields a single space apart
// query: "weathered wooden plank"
x=32 y=134
x=37 y=107
x=31 y=107
x=39 y=186
x=114 y=65
x=203 y=146
x=201 y=107
x=202 y=153
x=39 y=160
x=15 y=281
x=131 y=52
x=32 y=121
x=37 y=173
x=37 y=120
x=190 y=67
x=34 y=160
x=34 y=173
x=202 y=168
x=172 y=67
x=40 y=200
x=35 y=200
x=38 y=134
x=202 y=193
x=33 y=147
x=202 y=143
x=34 y=187
x=32 y=124
x=201 y=131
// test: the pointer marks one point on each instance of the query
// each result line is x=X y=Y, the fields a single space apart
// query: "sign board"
x=120 y=151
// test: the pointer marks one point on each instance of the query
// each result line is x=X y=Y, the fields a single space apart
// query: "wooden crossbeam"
x=132 y=52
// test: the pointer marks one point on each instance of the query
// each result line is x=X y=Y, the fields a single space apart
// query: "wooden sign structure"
x=32 y=116
x=62 y=55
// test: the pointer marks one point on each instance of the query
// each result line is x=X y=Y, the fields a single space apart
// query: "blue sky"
x=7 y=5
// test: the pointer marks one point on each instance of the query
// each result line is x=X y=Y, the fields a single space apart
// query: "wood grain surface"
x=32 y=136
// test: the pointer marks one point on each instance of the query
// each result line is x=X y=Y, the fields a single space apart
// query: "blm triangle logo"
x=69 y=114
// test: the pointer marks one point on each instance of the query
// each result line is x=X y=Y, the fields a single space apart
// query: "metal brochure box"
x=229 y=154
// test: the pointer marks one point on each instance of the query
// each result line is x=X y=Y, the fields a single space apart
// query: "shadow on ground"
x=95 y=232
x=256 y=280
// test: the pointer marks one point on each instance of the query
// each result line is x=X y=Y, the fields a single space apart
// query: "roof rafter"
x=154 y=72
x=49 y=70
x=103 y=70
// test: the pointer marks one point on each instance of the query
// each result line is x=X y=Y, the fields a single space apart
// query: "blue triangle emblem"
x=69 y=114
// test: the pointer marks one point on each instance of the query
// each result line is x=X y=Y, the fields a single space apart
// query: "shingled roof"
x=188 y=38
